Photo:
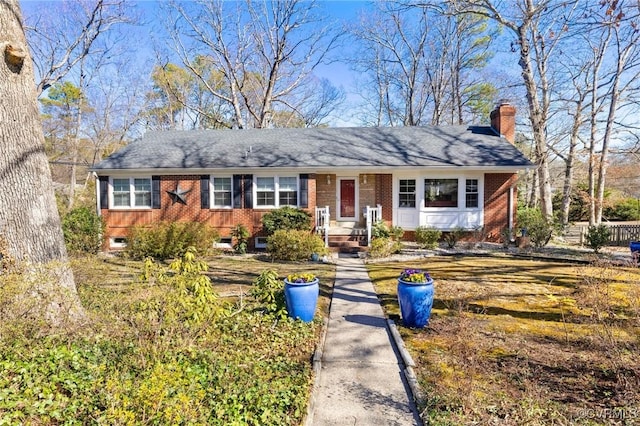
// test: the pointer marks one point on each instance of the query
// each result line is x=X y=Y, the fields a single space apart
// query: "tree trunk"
x=29 y=220
x=537 y=116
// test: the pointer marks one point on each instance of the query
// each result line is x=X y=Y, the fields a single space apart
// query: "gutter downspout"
x=98 y=210
x=510 y=213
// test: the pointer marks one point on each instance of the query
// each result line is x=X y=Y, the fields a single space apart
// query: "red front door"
x=347 y=198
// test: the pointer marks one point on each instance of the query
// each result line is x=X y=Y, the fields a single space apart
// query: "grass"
x=145 y=359
x=515 y=341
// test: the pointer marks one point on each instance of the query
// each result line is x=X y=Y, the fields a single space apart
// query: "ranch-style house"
x=346 y=178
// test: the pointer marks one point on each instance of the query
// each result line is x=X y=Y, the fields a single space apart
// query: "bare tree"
x=265 y=50
x=419 y=62
x=538 y=27
x=66 y=32
x=615 y=42
x=29 y=221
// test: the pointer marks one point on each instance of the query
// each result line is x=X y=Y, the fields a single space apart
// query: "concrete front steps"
x=347 y=238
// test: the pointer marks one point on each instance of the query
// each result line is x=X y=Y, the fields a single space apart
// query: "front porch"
x=346 y=236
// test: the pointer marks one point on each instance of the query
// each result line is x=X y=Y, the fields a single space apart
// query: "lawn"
x=516 y=341
x=150 y=354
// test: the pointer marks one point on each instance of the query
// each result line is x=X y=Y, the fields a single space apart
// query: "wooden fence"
x=621 y=235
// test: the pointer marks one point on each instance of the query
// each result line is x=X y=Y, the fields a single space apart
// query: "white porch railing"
x=373 y=216
x=323 y=219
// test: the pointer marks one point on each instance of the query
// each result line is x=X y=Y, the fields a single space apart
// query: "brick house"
x=445 y=177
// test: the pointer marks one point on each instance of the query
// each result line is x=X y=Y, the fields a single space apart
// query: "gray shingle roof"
x=319 y=149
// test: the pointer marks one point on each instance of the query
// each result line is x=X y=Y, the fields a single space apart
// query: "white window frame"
x=117 y=242
x=132 y=193
x=276 y=181
x=212 y=192
x=415 y=193
x=260 y=242
x=424 y=192
x=224 y=243
x=477 y=193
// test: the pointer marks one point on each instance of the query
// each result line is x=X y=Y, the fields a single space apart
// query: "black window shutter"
x=204 y=192
x=304 y=190
x=155 y=192
x=104 y=192
x=237 y=191
x=248 y=191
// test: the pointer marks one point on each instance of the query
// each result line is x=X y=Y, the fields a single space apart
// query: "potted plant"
x=301 y=295
x=415 y=297
x=634 y=246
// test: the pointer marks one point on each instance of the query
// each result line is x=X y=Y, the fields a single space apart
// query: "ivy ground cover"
x=143 y=358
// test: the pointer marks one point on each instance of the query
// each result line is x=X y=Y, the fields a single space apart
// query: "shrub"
x=427 y=237
x=384 y=247
x=241 y=235
x=598 y=237
x=532 y=223
x=83 y=229
x=627 y=209
x=381 y=230
x=452 y=237
x=170 y=240
x=268 y=291
x=286 y=218
x=188 y=300
x=294 y=245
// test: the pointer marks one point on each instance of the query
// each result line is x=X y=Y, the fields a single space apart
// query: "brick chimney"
x=503 y=120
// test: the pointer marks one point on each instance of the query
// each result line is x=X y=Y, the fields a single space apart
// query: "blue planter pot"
x=301 y=299
x=416 y=300
x=634 y=246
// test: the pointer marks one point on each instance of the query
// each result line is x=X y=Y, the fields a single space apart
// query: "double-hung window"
x=471 y=193
x=407 y=193
x=142 y=192
x=441 y=192
x=266 y=192
x=131 y=192
x=276 y=191
x=288 y=191
x=222 y=192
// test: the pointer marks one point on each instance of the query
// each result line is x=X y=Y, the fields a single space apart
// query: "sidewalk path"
x=360 y=381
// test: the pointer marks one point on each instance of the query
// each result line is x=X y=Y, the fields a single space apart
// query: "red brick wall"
x=384 y=196
x=119 y=221
x=496 y=200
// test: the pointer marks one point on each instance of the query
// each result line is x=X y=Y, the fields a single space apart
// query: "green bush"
x=381 y=230
x=286 y=218
x=627 y=209
x=190 y=299
x=170 y=240
x=427 y=237
x=268 y=291
x=294 y=245
x=532 y=223
x=83 y=229
x=384 y=247
x=598 y=237
x=241 y=235
x=452 y=237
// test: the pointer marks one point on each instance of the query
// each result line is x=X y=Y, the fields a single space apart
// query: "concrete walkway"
x=360 y=380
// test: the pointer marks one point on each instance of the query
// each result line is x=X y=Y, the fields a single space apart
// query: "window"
x=131 y=192
x=277 y=191
x=265 y=191
x=441 y=192
x=142 y=192
x=288 y=191
x=121 y=191
x=407 y=193
x=261 y=242
x=222 y=192
x=471 y=193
